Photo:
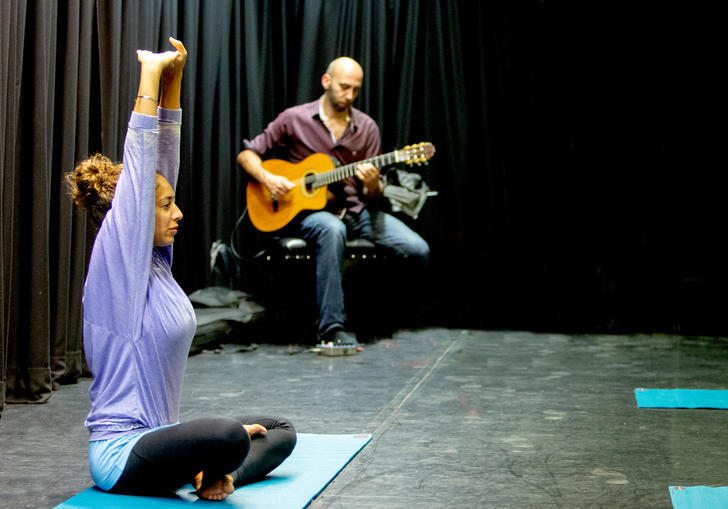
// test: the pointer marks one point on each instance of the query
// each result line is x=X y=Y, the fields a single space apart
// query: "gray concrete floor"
x=460 y=418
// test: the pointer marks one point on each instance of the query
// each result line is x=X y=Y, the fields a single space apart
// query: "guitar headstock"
x=416 y=154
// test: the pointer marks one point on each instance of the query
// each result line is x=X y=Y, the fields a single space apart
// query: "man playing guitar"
x=331 y=125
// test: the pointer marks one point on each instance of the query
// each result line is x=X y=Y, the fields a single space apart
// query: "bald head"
x=344 y=65
x=341 y=83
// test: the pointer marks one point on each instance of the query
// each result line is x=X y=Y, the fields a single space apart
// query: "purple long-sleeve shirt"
x=138 y=322
x=300 y=131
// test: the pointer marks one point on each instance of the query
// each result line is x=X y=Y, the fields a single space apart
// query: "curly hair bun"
x=92 y=184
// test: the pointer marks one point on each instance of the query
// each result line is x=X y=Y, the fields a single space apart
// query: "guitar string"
x=321 y=179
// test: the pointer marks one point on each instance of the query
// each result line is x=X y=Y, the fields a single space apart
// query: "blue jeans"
x=328 y=234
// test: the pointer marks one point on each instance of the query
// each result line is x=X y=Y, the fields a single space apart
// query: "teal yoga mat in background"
x=698 y=497
x=681 y=398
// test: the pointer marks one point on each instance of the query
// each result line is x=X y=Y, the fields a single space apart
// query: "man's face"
x=342 y=88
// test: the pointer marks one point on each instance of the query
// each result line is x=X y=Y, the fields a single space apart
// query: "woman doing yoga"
x=139 y=324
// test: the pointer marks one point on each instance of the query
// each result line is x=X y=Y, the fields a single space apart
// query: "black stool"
x=290 y=290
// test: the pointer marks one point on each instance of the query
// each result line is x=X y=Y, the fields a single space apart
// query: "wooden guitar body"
x=269 y=215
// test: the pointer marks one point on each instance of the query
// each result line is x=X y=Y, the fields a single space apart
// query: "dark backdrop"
x=576 y=162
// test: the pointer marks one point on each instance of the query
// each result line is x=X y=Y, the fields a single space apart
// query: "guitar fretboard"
x=342 y=172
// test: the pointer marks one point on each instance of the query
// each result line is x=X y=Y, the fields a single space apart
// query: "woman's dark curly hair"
x=92 y=184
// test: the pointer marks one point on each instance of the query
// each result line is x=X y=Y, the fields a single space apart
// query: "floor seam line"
x=395 y=410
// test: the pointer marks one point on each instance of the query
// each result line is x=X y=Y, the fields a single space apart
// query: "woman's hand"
x=155 y=62
x=174 y=68
x=172 y=77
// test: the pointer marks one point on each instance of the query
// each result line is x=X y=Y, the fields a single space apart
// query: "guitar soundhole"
x=309 y=182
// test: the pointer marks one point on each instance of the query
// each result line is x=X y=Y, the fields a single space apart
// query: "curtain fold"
x=68 y=238
x=12 y=35
x=28 y=374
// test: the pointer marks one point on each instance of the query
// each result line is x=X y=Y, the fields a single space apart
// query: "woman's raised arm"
x=153 y=64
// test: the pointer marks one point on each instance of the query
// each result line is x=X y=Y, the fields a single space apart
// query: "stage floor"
x=460 y=418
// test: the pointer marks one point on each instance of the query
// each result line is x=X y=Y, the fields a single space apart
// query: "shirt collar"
x=319 y=111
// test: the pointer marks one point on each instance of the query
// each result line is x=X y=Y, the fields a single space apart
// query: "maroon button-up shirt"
x=299 y=131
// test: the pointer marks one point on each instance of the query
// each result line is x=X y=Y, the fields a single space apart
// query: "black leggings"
x=164 y=460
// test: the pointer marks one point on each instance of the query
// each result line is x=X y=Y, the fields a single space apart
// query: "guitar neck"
x=348 y=170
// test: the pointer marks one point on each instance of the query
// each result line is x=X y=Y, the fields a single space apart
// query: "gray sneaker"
x=340 y=337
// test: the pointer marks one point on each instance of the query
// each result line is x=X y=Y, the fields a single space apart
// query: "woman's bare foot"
x=255 y=429
x=217 y=489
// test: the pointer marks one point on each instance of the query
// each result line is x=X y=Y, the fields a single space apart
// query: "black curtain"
x=575 y=164
x=43 y=238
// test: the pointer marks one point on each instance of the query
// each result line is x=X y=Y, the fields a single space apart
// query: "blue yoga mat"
x=308 y=470
x=698 y=497
x=681 y=398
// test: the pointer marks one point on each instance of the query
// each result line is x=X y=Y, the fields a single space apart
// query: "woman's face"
x=167 y=214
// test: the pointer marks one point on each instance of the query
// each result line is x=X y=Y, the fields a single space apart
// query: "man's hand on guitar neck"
x=369 y=175
x=277 y=185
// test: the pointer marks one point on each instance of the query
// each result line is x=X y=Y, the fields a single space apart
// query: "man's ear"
x=326 y=81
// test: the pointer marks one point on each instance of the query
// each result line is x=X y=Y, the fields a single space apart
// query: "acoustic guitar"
x=310 y=178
